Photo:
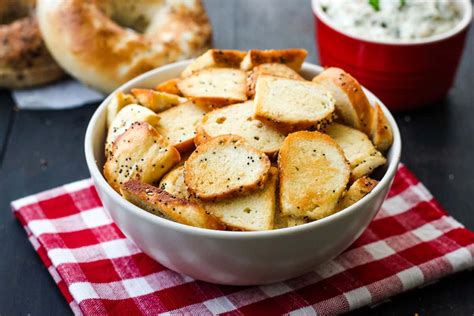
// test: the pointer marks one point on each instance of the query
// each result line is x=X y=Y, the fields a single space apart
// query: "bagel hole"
x=139 y=24
x=128 y=14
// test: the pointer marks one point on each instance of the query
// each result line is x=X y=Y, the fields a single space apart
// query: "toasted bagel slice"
x=225 y=166
x=358 y=149
x=352 y=105
x=141 y=154
x=313 y=175
x=360 y=188
x=293 y=104
x=125 y=118
x=161 y=203
x=178 y=124
x=215 y=58
x=293 y=58
x=276 y=70
x=173 y=183
x=251 y=212
x=157 y=101
x=169 y=86
x=237 y=119
x=215 y=86
x=118 y=102
x=380 y=131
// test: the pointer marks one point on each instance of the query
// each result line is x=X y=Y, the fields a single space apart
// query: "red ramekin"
x=403 y=74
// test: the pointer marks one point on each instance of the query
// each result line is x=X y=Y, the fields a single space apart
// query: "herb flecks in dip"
x=393 y=19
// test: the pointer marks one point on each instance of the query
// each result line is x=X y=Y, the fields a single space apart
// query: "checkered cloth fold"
x=411 y=242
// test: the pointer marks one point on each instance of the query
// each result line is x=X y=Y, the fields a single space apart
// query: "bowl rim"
x=461 y=26
x=99 y=179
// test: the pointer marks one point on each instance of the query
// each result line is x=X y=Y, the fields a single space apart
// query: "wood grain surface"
x=44 y=149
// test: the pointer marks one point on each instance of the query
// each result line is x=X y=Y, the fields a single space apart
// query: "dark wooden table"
x=44 y=149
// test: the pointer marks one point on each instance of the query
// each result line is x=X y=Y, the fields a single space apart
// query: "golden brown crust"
x=293 y=58
x=313 y=174
x=381 y=132
x=228 y=57
x=78 y=32
x=214 y=102
x=224 y=167
x=158 y=201
x=360 y=188
x=215 y=58
x=169 y=86
x=24 y=59
x=155 y=100
x=287 y=128
x=367 y=166
x=354 y=92
x=201 y=136
x=141 y=154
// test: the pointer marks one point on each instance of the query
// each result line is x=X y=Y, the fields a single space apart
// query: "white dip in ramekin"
x=393 y=19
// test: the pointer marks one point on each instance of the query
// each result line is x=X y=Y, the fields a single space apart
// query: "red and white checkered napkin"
x=411 y=242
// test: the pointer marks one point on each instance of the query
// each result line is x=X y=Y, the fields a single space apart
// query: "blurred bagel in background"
x=104 y=43
x=24 y=59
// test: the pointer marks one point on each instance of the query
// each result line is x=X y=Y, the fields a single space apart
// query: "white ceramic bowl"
x=235 y=258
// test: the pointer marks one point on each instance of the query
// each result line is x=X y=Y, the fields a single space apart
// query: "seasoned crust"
x=293 y=104
x=169 y=86
x=381 y=132
x=225 y=166
x=237 y=119
x=215 y=58
x=160 y=202
x=276 y=70
x=118 y=102
x=358 y=149
x=293 y=58
x=178 y=124
x=173 y=183
x=367 y=166
x=352 y=105
x=215 y=86
x=141 y=154
x=157 y=101
x=251 y=212
x=313 y=175
x=124 y=119
x=360 y=188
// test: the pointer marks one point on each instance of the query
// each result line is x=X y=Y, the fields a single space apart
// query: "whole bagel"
x=104 y=43
x=24 y=59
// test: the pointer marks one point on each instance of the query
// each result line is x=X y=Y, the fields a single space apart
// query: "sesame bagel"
x=24 y=59
x=104 y=43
